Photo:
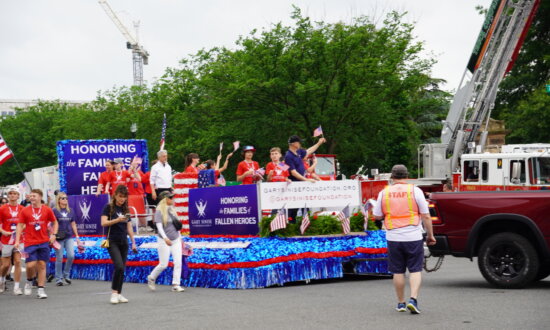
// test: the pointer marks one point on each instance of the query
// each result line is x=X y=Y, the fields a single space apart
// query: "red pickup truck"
x=509 y=232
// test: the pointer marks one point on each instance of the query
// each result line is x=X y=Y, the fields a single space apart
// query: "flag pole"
x=16 y=161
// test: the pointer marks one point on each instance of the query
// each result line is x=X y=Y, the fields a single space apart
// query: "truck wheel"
x=508 y=260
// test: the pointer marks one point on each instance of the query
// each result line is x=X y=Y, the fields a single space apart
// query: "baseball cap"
x=165 y=194
x=117 y=160
x=249 y=148
x=12 y=189
x=399 y=171
x=294 y=138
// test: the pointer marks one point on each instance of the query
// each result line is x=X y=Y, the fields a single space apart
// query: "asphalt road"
x=455 y=297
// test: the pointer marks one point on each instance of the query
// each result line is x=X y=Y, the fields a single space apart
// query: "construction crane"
x=497 y=46
x=140 y=56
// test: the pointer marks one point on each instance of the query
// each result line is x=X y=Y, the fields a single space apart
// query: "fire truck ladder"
x=499 y=40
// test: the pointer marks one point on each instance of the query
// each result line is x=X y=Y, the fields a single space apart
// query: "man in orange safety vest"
x=402 y=206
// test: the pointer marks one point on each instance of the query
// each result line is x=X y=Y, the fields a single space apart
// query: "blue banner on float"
x=87 y=209
x=229 y=210
x=81 y=161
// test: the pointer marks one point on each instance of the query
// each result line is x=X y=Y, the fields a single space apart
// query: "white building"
x=8 y=106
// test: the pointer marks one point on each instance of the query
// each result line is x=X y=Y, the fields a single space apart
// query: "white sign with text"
x=339 y=193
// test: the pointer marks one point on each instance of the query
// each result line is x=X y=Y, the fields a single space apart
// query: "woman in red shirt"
x=191 y=163
x=104 y=179
x=246 y=171
x=119 y=177
x=134 y=179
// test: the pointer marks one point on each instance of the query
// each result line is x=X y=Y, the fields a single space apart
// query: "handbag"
x=61 y=235
x=177 y=224
x=105 y=242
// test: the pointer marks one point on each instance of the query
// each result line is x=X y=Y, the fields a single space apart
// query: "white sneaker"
x=17 y=292
x=28 y=289
x=177 y=288
x=121 y=299
x=41 y=294
x=2 y=286
x=114 y=298
x=151 y=283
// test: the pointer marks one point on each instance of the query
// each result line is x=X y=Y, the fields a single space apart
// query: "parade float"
x=233 y=245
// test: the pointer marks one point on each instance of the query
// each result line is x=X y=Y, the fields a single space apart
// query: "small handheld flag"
x=279 y=222
x=221 y=147
x=284 y=166
x=236 y=145
x=318 y=131
x=305 y=222
x=344 y=219
x=163 y=134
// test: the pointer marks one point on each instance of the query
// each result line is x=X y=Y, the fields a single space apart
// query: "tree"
x=366 y=85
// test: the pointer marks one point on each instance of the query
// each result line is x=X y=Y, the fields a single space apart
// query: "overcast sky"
x=70 y=49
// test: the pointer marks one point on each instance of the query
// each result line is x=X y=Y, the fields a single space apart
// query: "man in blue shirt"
x=294 y=158
x=295 y=155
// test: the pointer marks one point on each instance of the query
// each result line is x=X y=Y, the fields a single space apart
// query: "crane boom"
x=139 y=55
x=109 y=11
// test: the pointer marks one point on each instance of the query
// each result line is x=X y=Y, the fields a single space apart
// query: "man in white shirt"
x=404 y=210
x=161 y=175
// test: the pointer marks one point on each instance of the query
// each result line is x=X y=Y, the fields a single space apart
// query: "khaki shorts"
x=7 y=250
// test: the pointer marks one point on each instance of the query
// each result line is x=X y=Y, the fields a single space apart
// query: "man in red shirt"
x=33 y=221
x=104 y=179
x=118 y=176
x=9 y=218
x=246 y=171
x=275 y=169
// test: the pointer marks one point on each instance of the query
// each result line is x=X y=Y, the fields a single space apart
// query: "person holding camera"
x=116 y=216
x=169 y=242
x=67 y=228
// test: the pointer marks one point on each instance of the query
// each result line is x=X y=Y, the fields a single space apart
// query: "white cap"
x=12 y=189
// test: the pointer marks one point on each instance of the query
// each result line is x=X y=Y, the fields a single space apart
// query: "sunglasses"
x=60 y=198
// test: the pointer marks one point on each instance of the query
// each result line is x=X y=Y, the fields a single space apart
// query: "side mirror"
x=516 y=172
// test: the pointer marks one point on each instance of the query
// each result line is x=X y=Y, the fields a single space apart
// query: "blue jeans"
x=67 y=245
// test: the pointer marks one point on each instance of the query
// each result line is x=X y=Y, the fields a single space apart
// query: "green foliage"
x=366 y=84
x=357 y=223
x=319 y=225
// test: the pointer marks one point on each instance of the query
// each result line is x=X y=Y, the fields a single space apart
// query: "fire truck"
x=461 y=157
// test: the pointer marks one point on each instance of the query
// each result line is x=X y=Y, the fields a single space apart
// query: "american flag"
x=283 y=166
x=260 y=172
x=305 y=222
x=279 y=222
x=221 y=181
x=344 y=219
x=318 y=131
x=163 y=135
x=207 y=178
x=365 y=216
x=5 y=152
x=236 y=145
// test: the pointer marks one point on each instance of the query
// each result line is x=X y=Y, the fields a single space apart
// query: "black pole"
x=16 y=161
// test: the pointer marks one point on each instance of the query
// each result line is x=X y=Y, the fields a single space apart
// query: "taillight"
x=434 y=215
